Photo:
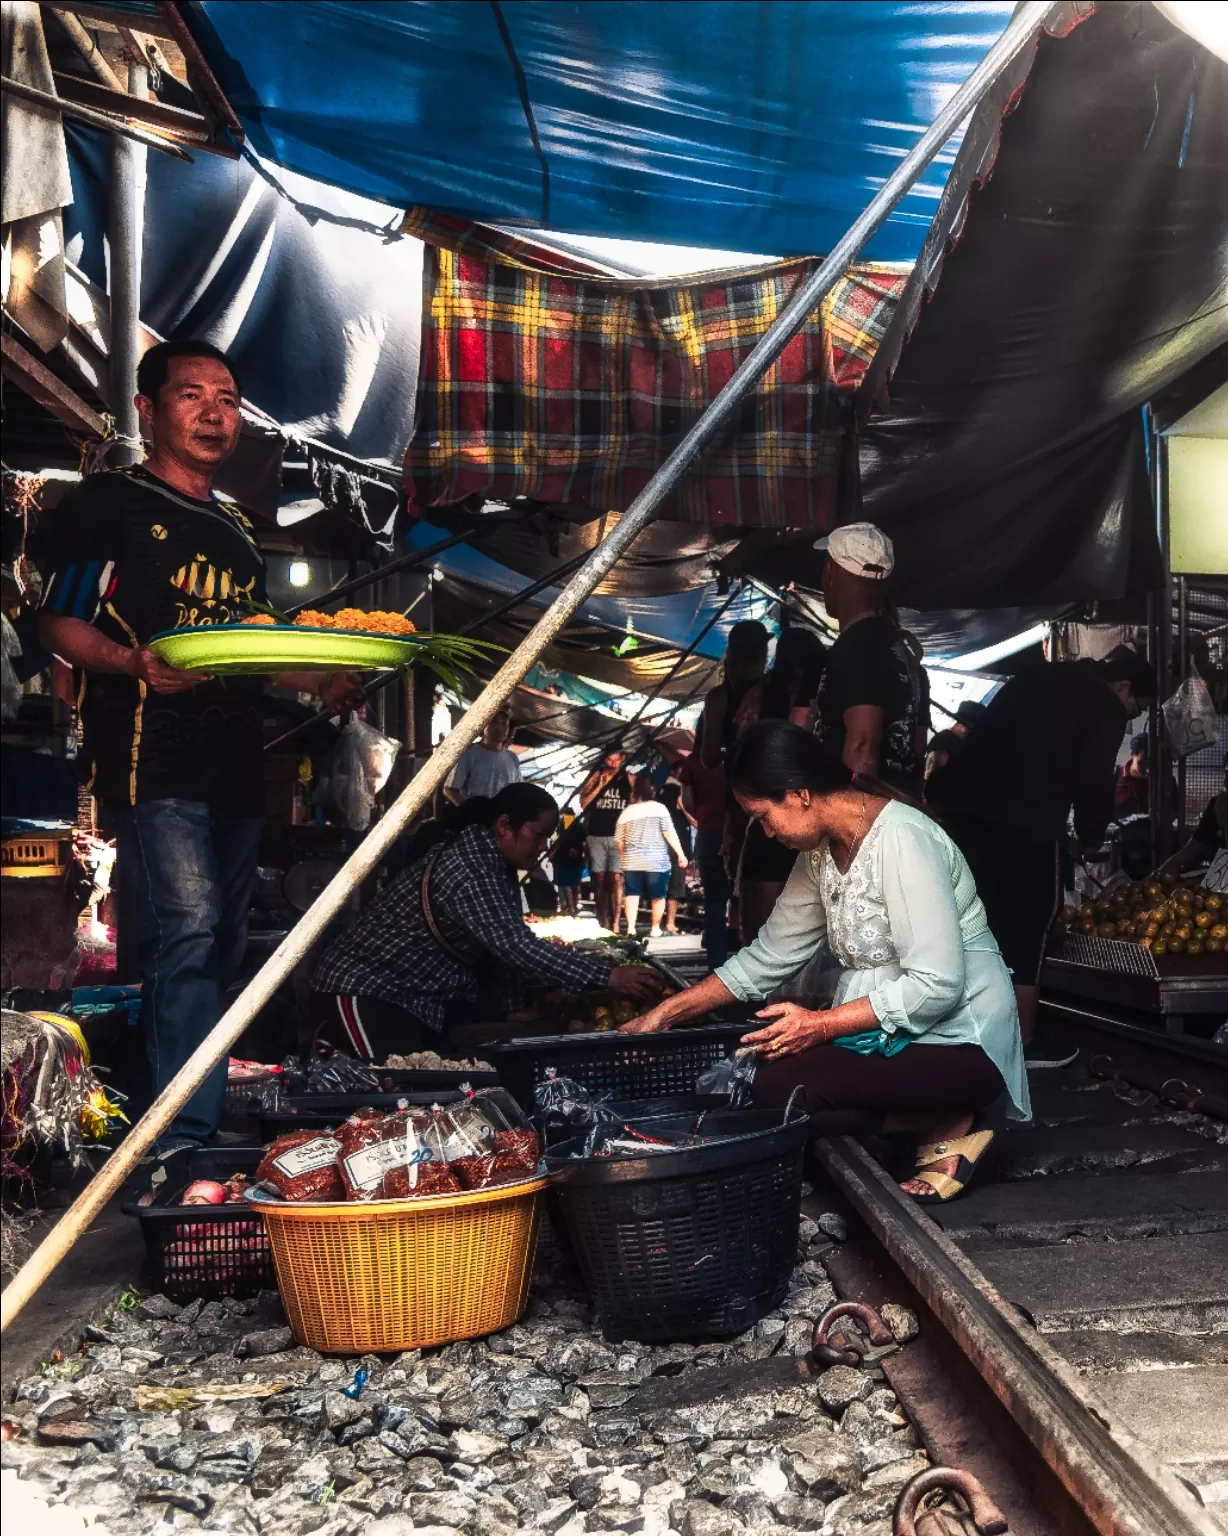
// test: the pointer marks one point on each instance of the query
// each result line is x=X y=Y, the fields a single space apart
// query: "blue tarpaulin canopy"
x=738 y=124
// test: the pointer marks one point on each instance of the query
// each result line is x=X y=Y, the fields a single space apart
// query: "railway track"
x=1074 y=1348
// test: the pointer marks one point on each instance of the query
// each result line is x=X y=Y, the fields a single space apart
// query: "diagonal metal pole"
x=722 y=411
x=372 y=688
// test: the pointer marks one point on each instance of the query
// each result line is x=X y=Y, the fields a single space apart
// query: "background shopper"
x=873 y=698
x=646 y=838
x=670 y=796
x=604 y=795
x=703 y=795
x=1046 y=746
x=488 y=766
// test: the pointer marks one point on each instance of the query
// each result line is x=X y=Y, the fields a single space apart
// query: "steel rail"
x=720 y=414
x=1117 y=1482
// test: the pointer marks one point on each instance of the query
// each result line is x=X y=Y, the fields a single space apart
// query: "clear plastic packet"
x=563 y=1106
x=368 y=1147
x=420 y=1164
x=734 y=1076
x=302 y=1165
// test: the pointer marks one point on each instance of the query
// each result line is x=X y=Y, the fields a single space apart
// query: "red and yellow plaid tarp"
x=540 y=378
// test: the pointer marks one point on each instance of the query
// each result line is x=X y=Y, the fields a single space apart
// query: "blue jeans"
x=715 y=882
x=186 y=874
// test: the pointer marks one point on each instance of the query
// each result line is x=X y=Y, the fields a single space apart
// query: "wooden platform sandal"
x=971 y=1151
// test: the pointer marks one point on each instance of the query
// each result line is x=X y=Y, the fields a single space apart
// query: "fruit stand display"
x=1161 y=915
x=1153 y=949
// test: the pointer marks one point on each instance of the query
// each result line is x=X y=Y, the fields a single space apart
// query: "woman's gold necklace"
x=856 y=843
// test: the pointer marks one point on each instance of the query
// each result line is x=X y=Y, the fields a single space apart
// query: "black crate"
x=694 y=1243
x=211 y=1250
x=617 y=1066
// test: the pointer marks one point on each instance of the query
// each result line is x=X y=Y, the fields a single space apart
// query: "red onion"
x=204 y=1192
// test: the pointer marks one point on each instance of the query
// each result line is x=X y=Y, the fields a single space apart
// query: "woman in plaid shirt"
x=446 y=943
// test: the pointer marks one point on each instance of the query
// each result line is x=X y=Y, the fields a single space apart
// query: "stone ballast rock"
x=243 y=1433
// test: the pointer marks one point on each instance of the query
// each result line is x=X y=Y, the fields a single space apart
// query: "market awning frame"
x=362 y=862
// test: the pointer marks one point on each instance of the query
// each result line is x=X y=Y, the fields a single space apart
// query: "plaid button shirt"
x=390 y=952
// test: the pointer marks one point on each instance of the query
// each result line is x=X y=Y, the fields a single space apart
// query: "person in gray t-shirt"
x=487 y=766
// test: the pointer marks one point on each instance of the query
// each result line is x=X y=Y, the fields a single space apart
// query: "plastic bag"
x=734 y=1076
x=360 y=768
x=1190 y=718
x=510 y=1148
x=560 y=1104
x=302 y=1165
x=329 y=1073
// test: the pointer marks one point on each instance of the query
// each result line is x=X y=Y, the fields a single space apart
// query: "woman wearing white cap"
x=873 y=699
x=924 y=1032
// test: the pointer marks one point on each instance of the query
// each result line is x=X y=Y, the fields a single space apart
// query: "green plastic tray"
x=254 y=648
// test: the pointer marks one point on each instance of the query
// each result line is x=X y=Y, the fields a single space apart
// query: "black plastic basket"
x=616 y=1066
x=210 y=1250
x=695 y=1243
x=242 y=1100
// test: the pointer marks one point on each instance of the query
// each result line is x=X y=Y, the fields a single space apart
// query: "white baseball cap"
x=861 y=549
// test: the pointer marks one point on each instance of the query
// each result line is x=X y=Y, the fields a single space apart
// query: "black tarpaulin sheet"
x=1004 y=455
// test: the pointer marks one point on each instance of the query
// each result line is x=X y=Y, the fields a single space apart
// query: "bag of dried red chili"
x=368 y=1149
x=302 y=1165
x=421 y=1164
x=513 y=1148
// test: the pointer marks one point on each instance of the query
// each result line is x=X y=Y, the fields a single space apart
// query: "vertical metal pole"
x=126 y=229
x=1163 y=658
x=1182 y=659
x=1154 y=774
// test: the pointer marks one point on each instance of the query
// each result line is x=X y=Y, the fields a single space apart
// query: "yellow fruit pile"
x=1162 y=916
x=378 y=622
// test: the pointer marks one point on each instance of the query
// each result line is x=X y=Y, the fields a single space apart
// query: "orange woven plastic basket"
x=404 y=1274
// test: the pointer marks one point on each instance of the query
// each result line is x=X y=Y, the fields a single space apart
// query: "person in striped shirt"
x=645 y=835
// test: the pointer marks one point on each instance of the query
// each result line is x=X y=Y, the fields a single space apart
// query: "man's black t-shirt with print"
x=602 y=815
x=133 y=557
x=870 y=664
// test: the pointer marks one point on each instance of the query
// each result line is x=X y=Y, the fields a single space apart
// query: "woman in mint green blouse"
x=923 y=1035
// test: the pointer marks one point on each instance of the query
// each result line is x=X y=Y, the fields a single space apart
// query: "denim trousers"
x=186 y=875
x=715 y=881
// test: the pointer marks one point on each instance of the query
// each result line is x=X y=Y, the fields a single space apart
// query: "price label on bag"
x=365 y=1168
x=308 y=1157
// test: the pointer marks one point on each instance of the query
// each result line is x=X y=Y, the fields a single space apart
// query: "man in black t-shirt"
x=873 y=699
x=604 y=796
x=174 y=758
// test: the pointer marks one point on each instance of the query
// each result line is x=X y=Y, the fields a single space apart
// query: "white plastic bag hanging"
x=360 y=768
x=1190 y=718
